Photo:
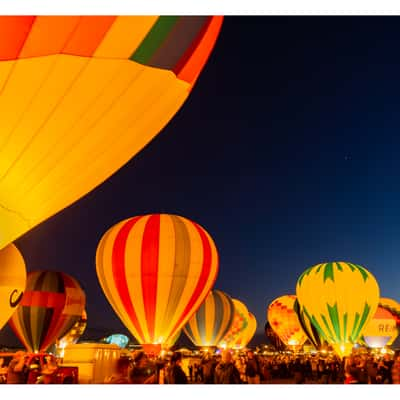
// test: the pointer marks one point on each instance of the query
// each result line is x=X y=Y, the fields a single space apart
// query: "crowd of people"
x=249 y=368
x=226 y=368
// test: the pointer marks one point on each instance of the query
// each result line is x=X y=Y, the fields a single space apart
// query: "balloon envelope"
x=381 y=330
x=75 y=332
x=239 y=324
x=284 y=321
x=339 y=298
x=212 y=320
x=12 y=281
x=118 y=339
x=155 y=271
x=52 y=303
x=80 y=96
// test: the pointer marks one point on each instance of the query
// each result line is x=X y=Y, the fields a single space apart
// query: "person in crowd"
x=17 y=370
x=121 y=374
x=298 y=372
x=143 y=370
x=3 y=371
x=49 y=370
x=208 y=367
x=174 y=373
x=225 y=371
x=190 y=368
x=396 y=369
x=253 y=370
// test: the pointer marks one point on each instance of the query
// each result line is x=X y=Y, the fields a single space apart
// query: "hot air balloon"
x=80 y=96
x=247 y=334
x=118 y=339
x=12 y=281
x=308 y=328
x=52 y=303
x=381 y=330
x=339 y=298
x=75 y=332
x=284 y=321
x=391 y=305
x=212 y=320
x=239 y=324
x=171 y=341
x=273 y=337
x=155 y=271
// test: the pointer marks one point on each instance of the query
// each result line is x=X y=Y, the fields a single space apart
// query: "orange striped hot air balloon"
x=80 y=96
x=51 y=305
x=283 y=320
x=156 y=271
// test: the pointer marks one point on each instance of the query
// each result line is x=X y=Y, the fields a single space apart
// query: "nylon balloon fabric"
x=51 y=305
x=80 y=96
x=339 y=298
x=212 y=320
x=156 y=271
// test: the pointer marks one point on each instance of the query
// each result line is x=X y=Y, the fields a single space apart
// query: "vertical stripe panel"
x=133 y=261
x=180 y=38
x=220 y=315
x=198 y=294
x=210 y=318
x=88 y=35
x=166 y=264
x=183 y=256
x=124 y=36
x=201 y=319
x=48 y=35
x=149 y=270
x=191 y=69
x=154 y=39
x=13 y=33
x=118 y=267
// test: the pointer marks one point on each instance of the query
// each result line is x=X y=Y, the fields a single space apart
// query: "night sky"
x=286 y=152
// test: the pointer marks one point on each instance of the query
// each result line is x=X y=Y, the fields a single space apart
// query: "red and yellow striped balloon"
x=80 y=96
x=155 y=271
x=51 y=305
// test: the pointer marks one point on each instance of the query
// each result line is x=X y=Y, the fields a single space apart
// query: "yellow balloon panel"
x=339 y=298
x=12 y=281
x=284 y=321
x=74 y=122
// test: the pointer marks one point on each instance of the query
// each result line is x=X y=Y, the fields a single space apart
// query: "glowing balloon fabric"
x=283 y=320
x=118 y=339
x=247 y=334
x=239 y=324
x=52 y=303
x=273 y=337
x=391 y=305
x=75 y=332
x=12 y=281
x=212 y=320
x=308 y=328
x=155 y=271
x=339 y=298
x=381 y=329
x=80 y=96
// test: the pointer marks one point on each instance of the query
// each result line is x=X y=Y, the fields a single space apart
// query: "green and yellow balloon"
x=339 y=298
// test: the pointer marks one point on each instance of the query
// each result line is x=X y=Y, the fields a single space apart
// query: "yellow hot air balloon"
x=156 y=270
x=284 y=322
x=80 y=96
x=339 y=298
x=381 y=330
x=239 y=324
x=12 y=281
x=247 y=334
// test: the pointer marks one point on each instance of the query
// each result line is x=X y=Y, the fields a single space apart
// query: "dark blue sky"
x=286 y=152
